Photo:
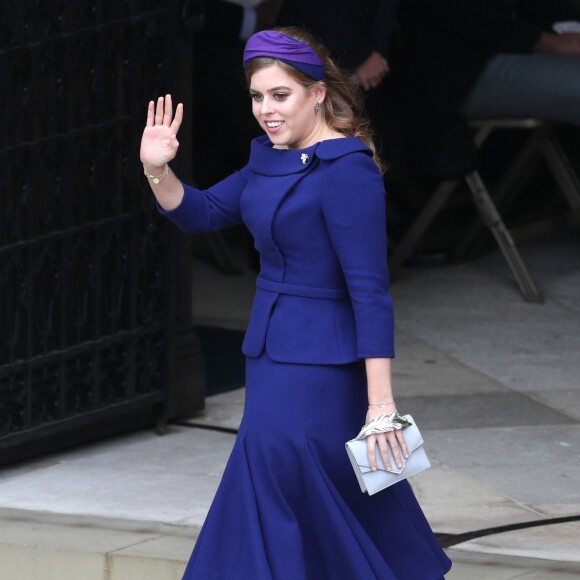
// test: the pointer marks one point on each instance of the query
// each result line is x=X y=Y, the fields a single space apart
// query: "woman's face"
x=285 y=109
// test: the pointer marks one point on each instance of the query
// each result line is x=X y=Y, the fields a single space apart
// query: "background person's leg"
x=538 y=86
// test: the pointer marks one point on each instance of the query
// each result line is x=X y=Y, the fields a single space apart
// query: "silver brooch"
x=304 y=158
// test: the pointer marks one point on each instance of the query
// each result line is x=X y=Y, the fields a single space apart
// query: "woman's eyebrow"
x=272 y=90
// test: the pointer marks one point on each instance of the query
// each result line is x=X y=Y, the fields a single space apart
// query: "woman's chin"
x=278 y=142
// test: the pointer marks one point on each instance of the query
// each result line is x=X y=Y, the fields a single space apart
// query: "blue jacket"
x=318 y=220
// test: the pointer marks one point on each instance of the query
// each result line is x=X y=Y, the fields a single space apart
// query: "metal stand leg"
x=510 y=185
x=418 y=227
x=563 y=171
x=493 y=221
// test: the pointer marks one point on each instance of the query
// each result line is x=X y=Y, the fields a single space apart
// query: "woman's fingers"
x=393 y=440
x=162 y=113
x=150 y=114
x=372 y=442
x=394 y=444
x=178 y=118
x=402 y=443
x=159 y=111
x=371 y=447
x=383 y=446
x=168 y=114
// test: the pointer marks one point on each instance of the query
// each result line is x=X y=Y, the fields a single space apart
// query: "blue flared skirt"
x=289 y=506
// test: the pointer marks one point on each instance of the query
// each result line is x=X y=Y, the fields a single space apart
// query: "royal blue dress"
x=289 y=506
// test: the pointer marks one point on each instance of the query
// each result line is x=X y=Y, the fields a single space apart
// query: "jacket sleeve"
x=212 y=209
x=353 y=204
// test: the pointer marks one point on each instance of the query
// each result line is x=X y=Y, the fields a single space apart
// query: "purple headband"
x=296 y=53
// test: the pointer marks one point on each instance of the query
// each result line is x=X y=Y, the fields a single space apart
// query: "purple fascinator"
x=273 y=44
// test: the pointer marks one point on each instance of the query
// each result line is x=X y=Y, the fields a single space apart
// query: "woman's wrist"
x=156 y=174
x=383 y=404
x=154 y=168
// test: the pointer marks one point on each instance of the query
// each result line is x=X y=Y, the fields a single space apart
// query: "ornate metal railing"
x=87 y=283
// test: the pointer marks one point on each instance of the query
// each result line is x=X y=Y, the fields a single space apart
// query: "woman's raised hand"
x=159 y=143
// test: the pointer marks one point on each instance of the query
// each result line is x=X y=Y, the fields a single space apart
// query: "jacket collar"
x=266 y=160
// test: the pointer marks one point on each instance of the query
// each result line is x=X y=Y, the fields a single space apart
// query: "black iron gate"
x=87 y=270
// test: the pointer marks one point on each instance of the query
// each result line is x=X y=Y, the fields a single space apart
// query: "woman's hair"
x=343 y=106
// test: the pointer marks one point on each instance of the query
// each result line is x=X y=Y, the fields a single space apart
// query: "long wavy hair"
x=343 y=106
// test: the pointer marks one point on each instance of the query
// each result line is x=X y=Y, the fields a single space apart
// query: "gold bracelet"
x=383 y=405
x=156 y=178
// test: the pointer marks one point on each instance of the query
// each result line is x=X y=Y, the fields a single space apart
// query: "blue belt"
x=304 y=291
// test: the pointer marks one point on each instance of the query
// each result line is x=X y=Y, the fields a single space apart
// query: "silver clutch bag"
x=374 y=481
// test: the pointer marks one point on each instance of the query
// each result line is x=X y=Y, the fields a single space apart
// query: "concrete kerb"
x=46 y=546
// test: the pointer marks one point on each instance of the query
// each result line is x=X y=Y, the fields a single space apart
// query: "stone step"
x=41 y=550
x=75 y=550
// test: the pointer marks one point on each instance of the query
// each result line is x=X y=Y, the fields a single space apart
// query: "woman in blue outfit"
x=320 y=339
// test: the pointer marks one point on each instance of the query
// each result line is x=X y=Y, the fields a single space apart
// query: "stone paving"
x=493 y=382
